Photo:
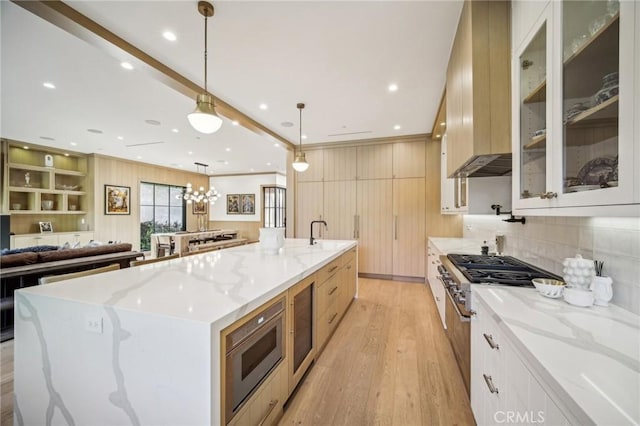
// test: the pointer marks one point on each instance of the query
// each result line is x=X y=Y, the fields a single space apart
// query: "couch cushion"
x=82 y=252
x=34 y=249
x=18 y=259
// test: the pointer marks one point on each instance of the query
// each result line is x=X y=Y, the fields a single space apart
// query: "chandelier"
x=200 y=195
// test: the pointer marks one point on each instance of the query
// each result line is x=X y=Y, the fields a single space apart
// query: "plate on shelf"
x=598 y=170
x=580 y=188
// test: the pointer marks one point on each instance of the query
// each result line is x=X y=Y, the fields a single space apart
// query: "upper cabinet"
x=478 y=89
x=340 y=164
x=39 y=181
x=375 y=161
x=409 y=159
x=574 y=71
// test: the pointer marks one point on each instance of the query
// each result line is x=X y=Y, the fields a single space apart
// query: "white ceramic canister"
x=602 y=290
x=271 y=239
x=578 y=272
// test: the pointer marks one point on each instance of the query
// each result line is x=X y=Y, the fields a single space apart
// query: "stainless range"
x=458 y=273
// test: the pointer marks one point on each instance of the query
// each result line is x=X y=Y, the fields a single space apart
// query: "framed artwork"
x=233 y=204
x=199 y=207
x=45 y=227
x=248 y=203
x=116 y=199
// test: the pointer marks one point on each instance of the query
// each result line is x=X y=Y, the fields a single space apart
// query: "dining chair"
x=55 y=278
x=165 y=244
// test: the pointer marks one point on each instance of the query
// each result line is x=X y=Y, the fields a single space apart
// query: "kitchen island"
x=142 y=345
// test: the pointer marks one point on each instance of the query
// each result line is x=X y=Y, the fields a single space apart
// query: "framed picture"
x=199 y=207
x=45 y=227
x=233 y=204
x=248 y=203
x=116 y=199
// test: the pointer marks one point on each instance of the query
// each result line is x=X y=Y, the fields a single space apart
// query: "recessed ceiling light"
x=152 y=122
x=169 y=36
x=277 y=145
x=252 y=170
x=66 y=154
x=444 y=123
x=393 y=87
x=175 y=130
x=120 y=138
x=268 y=164
x=126 y=65
x=226 y=162
x=263 y=107
x=397 y=127
x=228 y=149
x=73 y=144
x=235 y=122
x=25 y=147
x=190 y=152
x=304 y=136
x=49 y=85
x=139 y=157
x=286 y=124
x=96 y=131
x=180 y=165
x=437 y=136
x=47 y=138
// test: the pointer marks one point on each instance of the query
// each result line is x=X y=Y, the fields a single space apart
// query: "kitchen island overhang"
x=142 y=345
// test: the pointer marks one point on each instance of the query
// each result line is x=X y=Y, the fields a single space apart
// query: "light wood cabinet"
x=375 y=161
x=340 y=209
x=340 y=164
x=315 y=172
x=575 y=138
x=501 y=383
x=409 y=159
x=42 y=181
x=375 y=226
x=409 y=233
x=478 y=89
x=309 y=206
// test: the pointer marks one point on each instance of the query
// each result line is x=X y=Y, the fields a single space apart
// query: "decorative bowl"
x=46 y=204
x=549 y=287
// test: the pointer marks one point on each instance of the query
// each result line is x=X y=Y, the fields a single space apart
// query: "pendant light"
x=300 y=163
x=204 y=118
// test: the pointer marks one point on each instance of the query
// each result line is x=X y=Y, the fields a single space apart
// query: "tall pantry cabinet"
x=373 y=193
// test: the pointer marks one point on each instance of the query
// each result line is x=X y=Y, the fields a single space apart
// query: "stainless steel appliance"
x=458 y=274
x=252 y=352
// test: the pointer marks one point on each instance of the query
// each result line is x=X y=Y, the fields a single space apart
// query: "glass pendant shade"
x=300 y=163
x=204 y=118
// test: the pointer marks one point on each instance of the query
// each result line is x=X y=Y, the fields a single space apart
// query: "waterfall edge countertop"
x=590 y=357
x=142 y=345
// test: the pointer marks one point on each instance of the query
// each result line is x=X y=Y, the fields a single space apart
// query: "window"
x=274 y=206
x=161 y=210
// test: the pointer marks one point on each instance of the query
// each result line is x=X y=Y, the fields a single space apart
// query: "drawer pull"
x=333 y=269
x=273 y=404
x=490 y=385
x=489 y=339
x=437 y=298
x=333 y=317
x=333 y=290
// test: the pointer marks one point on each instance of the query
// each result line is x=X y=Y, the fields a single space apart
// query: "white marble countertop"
x=208 y=287
x=590 y=357
x=457 y=245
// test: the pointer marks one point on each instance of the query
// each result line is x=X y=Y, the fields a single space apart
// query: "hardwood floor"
x=6 y=383
x=389 y=363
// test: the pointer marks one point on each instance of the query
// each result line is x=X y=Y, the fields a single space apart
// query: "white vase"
x=602 y=290
x=271 y=239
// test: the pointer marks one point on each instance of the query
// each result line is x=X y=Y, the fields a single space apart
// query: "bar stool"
x=164 y=243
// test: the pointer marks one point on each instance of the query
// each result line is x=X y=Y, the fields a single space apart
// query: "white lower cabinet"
x=53 y=239
x=503 y=390
x=437 y=288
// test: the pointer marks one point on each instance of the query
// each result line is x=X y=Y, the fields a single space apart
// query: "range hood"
x=485 y=166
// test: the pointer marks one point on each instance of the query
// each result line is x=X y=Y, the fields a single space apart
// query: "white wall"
x=241 y=184
x=547 y=241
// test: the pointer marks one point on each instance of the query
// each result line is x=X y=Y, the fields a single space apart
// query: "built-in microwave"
x=252 y=352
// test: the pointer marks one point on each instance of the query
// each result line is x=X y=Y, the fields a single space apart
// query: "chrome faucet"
x=311 y=239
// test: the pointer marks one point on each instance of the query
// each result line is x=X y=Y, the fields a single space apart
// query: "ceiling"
x=337 y=57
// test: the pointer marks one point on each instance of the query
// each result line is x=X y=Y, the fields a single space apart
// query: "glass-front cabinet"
x=573 y=117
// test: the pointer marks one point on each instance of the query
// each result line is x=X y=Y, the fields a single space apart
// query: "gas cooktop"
x=497 y=269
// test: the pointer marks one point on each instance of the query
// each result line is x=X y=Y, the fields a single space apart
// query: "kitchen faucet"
x=311 y=239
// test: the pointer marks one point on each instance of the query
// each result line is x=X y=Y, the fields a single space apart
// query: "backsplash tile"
x=547 y=241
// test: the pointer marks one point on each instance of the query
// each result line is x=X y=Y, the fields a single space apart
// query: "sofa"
x=24 y=267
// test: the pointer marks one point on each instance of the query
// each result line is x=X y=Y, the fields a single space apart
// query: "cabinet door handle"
x=437 y=298
x=333 y=269
x=333 y=290
x=489 y=383
x=549 y=195
x=273 y=404
x=355 y=225
x=395 y=227
x=333 y=317
x=489 y=339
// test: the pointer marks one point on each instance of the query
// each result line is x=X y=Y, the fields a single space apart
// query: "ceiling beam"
x=65 y=17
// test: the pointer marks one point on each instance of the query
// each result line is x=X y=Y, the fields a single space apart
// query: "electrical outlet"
x=93 y=323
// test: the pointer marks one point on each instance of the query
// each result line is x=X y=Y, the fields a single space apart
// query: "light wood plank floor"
x=388 y=363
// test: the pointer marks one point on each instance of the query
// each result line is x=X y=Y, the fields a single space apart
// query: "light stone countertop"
x=590 y=357
x=457 y=245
